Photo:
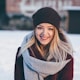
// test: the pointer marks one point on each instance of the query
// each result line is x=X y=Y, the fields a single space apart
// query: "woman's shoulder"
x=18 y=50
x=69 y=56
x=26 y=38
x=17 y=54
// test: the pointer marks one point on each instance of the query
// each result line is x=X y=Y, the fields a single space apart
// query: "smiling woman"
x=44 y=33
x=45 y=53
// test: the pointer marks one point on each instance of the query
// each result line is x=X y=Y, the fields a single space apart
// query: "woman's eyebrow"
x=40 y=26
x=43 y=26
x=50 y=26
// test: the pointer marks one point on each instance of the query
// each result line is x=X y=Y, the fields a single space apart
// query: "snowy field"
x=11 y=40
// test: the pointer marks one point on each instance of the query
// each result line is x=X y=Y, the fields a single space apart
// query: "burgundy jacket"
x=65 y=74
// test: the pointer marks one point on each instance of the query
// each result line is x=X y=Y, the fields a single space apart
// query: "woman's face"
x=44 y=33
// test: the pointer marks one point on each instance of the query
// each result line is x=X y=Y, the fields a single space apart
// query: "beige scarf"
x=35 y=69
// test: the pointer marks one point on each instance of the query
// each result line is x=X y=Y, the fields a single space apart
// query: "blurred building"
x=13 y=6
x=3 y=15
x=76 y=2
x=28 y=7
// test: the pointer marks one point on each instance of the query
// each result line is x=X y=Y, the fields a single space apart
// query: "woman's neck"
x=45 y=50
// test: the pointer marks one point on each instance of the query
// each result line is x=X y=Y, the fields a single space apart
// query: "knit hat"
x=46 y=15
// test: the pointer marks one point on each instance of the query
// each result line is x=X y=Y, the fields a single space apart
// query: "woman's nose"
x=44 y=32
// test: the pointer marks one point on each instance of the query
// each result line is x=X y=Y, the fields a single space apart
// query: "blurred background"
x=16 y=22
x=16 y=14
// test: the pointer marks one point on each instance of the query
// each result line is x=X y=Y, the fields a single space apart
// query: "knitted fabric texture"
x=46 y=15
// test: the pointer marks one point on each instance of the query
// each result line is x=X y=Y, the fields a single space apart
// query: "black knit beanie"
x=46 y=15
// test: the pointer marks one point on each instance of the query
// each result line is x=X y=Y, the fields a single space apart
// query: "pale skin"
x=44 y=32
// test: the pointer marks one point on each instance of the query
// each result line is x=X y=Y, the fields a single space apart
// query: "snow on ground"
x=11 y=40
x=75 y=40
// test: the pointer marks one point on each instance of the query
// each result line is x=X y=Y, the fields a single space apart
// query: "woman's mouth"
x=44 y=38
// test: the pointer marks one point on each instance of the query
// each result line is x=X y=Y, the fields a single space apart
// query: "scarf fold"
x=36 y=69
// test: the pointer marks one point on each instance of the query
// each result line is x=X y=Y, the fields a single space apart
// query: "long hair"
x=59 y=46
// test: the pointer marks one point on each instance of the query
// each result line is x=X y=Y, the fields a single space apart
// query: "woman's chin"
x=44 y=44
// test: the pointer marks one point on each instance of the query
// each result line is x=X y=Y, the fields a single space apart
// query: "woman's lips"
x=43 y=38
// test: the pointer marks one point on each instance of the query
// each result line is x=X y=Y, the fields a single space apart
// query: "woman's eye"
x=50 y=29
x=39 y=27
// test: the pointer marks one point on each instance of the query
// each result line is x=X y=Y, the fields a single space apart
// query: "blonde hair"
x=59 y=48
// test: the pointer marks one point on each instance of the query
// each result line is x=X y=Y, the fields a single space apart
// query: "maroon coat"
x=65 y=74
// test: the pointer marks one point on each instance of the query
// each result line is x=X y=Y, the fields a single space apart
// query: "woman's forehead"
x=46 y=24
